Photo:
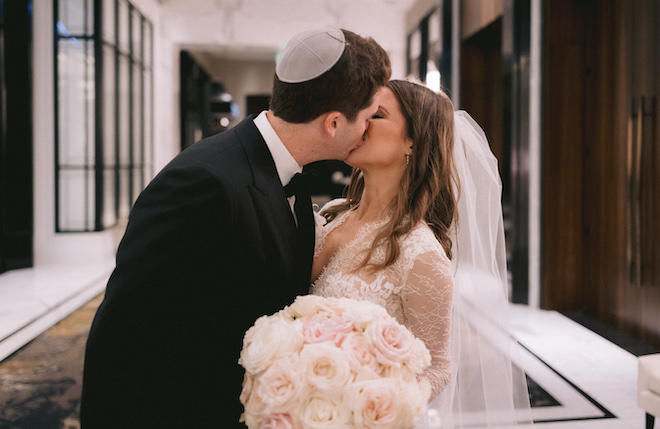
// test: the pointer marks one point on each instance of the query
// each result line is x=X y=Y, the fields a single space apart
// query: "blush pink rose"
x=277 y=421
x=325 y=327
x=377 y=404
x=281 y=387
x=360 y=356
x=391 y=341
x=254 y=404
x=248 y=382
x=251 y=421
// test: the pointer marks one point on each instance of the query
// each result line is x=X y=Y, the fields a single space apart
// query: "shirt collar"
x=285 y=163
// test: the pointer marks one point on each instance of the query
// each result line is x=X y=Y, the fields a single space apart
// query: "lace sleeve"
x=427 y=302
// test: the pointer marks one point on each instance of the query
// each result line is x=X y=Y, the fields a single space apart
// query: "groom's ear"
x=331 y=123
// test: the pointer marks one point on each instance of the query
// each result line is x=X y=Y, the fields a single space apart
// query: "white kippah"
x=310 y=54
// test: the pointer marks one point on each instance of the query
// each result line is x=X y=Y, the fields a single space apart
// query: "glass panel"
x=90 y=104
x=137 y=116
x=75 y=101
x=109 y=195
x=147 y=42
x=433 y=78
x=90 y=188
x=124 y=112
x=90 y=17
x=109 y=112
x=123 y=30
x=136 y=35
x=415 y=50
x=435 y=35
x=124 y=193
x=72 y=201
x=71 y=17
x=109 y=21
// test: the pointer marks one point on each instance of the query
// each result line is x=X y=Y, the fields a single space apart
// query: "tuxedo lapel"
x=269 y=199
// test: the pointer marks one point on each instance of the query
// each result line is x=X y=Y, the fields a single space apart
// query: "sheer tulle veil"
x=488 y=386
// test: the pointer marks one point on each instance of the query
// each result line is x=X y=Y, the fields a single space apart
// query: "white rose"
x=326 y=367
x=363 y=313
x=415 y=399
x=321 y=411
x=306 y=306
x=270 y=338
x=400 y=373
x=420 y=357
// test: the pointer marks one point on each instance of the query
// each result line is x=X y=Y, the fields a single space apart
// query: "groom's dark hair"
x=347 y=87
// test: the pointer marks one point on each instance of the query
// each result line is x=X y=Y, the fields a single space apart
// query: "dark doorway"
x=16 y=193
x=482 y=87
x=256 y=104
x=487 y=94
x=195 y=100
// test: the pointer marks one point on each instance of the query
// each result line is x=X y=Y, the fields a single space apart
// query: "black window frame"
x=101 y=213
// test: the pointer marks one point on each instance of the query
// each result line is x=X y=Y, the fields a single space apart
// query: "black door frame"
x=16 y=143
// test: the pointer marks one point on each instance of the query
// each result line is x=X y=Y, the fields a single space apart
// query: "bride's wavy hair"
x=427 y=186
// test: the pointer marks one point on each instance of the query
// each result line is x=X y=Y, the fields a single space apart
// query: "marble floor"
x=34 y=299
x=591 y=380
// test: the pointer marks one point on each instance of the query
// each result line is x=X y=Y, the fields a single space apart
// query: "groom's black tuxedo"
x=210 y=246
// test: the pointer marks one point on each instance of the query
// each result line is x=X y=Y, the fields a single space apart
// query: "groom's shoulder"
x=223 y=153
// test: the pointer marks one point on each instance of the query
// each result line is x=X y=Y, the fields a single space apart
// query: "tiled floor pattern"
x=592 y=381
x=40 y=385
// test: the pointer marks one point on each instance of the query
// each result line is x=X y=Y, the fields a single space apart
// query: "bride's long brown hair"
x=427 y=186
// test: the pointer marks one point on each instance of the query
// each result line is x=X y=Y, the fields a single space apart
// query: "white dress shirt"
x=285 y=163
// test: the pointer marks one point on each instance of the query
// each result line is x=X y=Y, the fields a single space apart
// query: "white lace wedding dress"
x=416 y=290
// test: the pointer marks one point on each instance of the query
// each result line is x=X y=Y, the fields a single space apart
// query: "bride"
x=396 y=238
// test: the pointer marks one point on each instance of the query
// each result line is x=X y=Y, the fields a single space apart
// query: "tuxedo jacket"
x=210 y=246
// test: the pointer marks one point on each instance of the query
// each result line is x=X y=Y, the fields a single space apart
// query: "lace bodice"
x=417 y=289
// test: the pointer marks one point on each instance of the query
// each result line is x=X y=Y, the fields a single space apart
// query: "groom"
x=214 y=242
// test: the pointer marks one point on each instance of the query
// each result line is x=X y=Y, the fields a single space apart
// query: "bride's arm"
x=427 y=299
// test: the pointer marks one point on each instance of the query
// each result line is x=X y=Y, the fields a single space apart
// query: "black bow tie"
x=299 y=184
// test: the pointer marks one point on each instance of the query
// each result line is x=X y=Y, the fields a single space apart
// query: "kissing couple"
x=226 y=233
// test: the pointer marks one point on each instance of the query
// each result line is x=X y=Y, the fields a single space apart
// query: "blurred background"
x=96 y=96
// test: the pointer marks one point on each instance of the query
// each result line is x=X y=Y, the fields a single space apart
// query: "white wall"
x=260 y=24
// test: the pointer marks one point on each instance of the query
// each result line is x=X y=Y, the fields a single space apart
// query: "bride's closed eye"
x=376 y=116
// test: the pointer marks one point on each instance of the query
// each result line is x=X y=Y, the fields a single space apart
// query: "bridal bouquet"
x=332 y=363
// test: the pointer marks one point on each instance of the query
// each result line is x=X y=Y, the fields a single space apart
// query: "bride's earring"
x=407 y=159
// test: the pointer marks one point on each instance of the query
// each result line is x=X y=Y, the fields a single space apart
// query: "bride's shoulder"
x=422 y=240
